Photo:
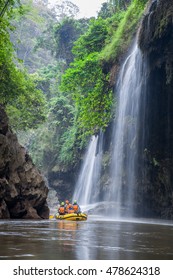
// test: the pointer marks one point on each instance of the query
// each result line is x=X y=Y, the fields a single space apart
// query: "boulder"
x=23 y=190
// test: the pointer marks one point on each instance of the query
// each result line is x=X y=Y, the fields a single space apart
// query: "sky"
x=88 y=8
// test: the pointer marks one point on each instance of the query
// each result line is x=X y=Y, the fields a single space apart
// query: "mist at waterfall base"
x=119 y=198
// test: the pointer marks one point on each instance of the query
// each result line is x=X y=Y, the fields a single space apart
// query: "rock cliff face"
x=63 y=182
x=155 y=190
x=23 y=191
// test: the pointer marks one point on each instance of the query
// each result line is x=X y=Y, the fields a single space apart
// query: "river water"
x=94 y=239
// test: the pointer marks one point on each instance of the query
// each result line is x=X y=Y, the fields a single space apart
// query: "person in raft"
x=67 y=203
x=76 y=207
x=61 y=209
x=70 y=209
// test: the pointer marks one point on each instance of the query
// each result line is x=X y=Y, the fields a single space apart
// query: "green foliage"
x=28 y=109
x=61 y=112
x=66 y=33
x=79 y=99
x=124 y=32
x=119 y=4
x=7 y=7
x=105 y=11
x=85 y=81
x=47 y=79
x=17 y=88
x=29 y=26
x=89 y=88
x=68 y=142
x=93 y=40
x=54 y=144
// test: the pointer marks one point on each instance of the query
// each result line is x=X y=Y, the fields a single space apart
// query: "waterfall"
x=127 y=143
x=87 y=188
x=129 y=90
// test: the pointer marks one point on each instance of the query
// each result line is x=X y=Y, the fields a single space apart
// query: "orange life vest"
x=70 y=209
x=76 y=208
x=61 y=210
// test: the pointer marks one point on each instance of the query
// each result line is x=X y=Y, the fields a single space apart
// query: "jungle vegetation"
x=55 y=73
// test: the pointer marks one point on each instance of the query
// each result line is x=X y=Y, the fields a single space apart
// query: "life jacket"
x=70 y=209
x=61 y=210
x=67 y=208
x=76 y=208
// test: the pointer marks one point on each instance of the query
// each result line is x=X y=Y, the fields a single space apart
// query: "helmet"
x=75 y=202
x=62 y=203
x=67 y=202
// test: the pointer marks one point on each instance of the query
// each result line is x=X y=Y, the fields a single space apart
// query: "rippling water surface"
x=94 y=239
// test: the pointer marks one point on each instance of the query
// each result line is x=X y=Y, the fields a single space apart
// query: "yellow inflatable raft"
x=72 y=217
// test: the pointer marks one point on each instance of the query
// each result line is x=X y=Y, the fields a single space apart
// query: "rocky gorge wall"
x=153 y=193
x=23 y=191
x=155 y=182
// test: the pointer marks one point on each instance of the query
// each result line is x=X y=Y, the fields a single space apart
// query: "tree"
x=119 y=4
x=105 y=11
x=65 y=9
x=92 y=40
x=66 y=33
x=85 y=81
x=29 y=28
x=7 y=5
x=17 y=88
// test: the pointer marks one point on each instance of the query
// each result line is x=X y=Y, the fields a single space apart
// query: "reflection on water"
x=92 y=239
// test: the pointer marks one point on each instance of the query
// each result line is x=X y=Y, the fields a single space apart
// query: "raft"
x=72 y=217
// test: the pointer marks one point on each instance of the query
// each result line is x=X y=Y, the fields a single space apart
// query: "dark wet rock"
x=23 y=191
x=63 y=182
x=155 y=183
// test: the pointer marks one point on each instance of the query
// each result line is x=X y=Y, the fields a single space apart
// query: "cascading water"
x=86 y=189
x=130 y=89
x=127 y=143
